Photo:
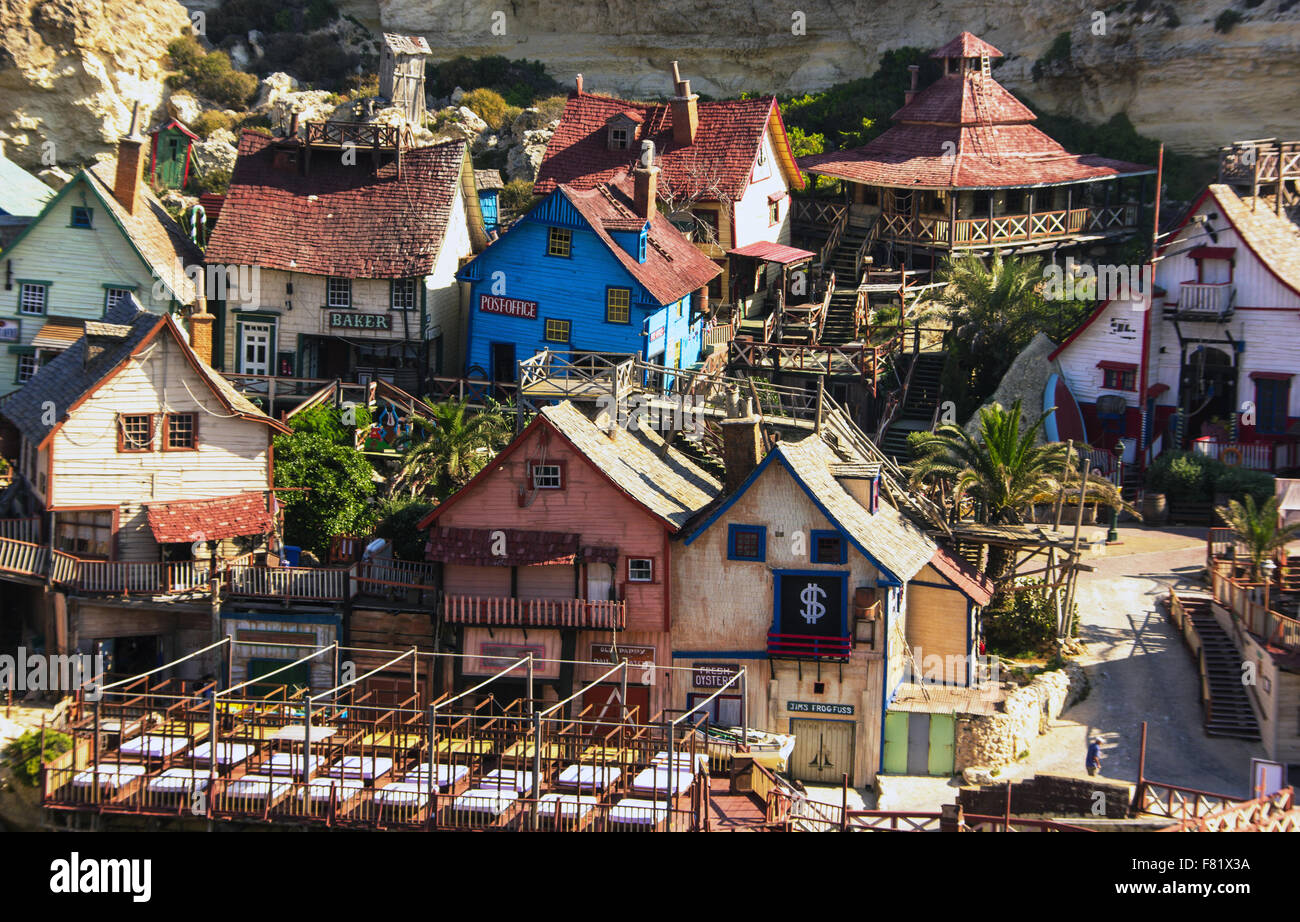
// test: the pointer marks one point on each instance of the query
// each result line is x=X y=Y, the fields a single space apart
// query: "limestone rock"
x=469 y=118
x=54 y=177
x=184 y=107
x=525 y=157
x=1025 y=381
x=978 y=775
x=216 y=152
x=71 y=71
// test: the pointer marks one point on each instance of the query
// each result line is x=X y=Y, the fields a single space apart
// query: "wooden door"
x=941 y=744
x=255 y=348
x=823 y=750
x=606 y=702
x=894 y=761
x=918 y=744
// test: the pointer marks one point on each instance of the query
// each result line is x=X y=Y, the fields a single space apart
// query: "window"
x=86 y=534
x=618 y=137
x=827 y=547
x=1272 y=399
x=114 y=296
x=706 y=219
x=135 y=432
x=338 y=292
x=746 y=542
x=180 y=430
x=677 y=354
x=27 y=365
x=547 y=476
x=641 y=245
x=557 y=331
x=32 y=297
x=640 y=570
x=559 y=242
x=403 y=294
x=618 y=303
x=774 y=212
x=1119 y=379
x=82 y=217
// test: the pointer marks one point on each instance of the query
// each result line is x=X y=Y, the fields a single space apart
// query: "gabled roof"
x=178 y=124
x=407 y=44
x=966 y=45
x=339 y=219
x=488 y=179
x=658 y=477
x=673 y=268
x=969 y=581
x=68 y=379
x=21 y=193
x=717 y=165
x=210 y=519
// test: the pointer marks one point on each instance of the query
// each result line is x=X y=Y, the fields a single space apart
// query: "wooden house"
x=22 y=196
x=963 y=169
x=489 y=185
x=353 y=256
x=726 y=168
x=1203 y=357
x=171 y=152
x=827 y=597
x=561 y=547
x=101 y=238
x=401 y=74
x=144 y=464
x=588 y=270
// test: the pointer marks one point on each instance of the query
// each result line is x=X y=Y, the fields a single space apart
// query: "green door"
x=941 y=744
x=171 y=161
x=297 y=677
x=895 y=756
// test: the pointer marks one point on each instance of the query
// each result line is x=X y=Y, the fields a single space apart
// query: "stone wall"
x=993 y=740
x=1052 y=795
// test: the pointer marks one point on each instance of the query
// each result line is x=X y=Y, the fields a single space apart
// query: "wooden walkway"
x=730 y=812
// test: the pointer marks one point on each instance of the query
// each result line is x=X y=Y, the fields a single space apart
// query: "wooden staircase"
x=844 y=299
x=919 y=405
x=1229 y=712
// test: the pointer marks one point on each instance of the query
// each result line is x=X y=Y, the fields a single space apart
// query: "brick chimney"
x=909 y=95
x=742 y=445
x=686 y=115
x=201 y=330
x=126 y=182
x=578 y=81
x=645 y=182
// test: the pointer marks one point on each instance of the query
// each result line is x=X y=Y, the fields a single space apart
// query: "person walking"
x=1094 y=756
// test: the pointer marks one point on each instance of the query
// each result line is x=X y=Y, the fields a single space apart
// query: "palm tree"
x=1003 y=470
x=457 y=444
x=1258 y=528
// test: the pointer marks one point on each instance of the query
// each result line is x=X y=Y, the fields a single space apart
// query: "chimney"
x=686 y=115
x=579 y=83
x=742 y=446
x=126 y=183
x=201 y=331
x=909 y=95
x=645 y=182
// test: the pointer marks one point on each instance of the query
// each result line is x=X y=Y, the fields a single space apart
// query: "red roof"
x=336 y=219
x=673 y=266
x=718 y=162
x=966 y=45
x=773 y=253
x=973 y=584
x=965 y=131
x=210 y=519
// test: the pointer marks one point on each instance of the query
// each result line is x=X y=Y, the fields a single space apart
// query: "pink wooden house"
x=560 y=547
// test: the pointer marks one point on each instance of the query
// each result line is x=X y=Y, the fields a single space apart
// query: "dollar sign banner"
x=811 y=597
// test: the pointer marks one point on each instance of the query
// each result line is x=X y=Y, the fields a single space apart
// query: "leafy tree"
x=1258 y=528
x=457 y=444
x=25 y=758
x=339 y=482
x=398 y=521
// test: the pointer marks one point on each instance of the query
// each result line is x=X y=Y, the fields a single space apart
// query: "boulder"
x=529 y=120
x=469 y=118
x=978 y=774
x=54 y=177
x=217 y=152
x=183 y=106
x=525 y=157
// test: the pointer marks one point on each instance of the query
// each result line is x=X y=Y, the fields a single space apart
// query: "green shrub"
x=1194 y=477
x=209 y=74
x=552 y=107
x=214 y=181
x=1059 y=50
x=25 y=758
x=398 y=518
x=211 y=120
x=486 y=104
x=519 y=83
x=516 y=197
x=508 y=117
x=1020 y=623
x=1226 y=20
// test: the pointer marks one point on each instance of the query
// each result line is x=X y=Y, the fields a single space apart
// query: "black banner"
x=811 y=605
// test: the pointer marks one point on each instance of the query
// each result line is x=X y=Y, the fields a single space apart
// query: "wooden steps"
x=1230 y=712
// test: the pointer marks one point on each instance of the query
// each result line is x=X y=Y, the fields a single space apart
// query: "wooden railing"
x=1277 y=812
x=28 y=529
x=818 y=212
x=1214 y=298
x=1263 y=160
x=1007 y=228
x=360 y=134
x=1242 y=598
x=305 y=583
x=860 y=360
x=569 y=613
x=23 y=557
x=1255 y=456
x=1155 y=799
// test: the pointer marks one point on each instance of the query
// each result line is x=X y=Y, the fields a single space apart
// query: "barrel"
x=1155 y=509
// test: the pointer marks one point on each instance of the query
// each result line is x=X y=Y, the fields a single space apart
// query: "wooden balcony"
x=1255 y=456
x=562 y=613
x=1260 y=161
x=1008 y=229
x=1211 y=301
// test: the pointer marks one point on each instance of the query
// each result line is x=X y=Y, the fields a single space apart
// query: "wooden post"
x=432 y=738
x=1074 y=547
x=821 y=393
x=1006 y=817
x=306 y=742
x=844 y=802
x=212 y=751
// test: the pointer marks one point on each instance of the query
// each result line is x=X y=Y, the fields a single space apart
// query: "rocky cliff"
x=71 y=71
x=1163 y=62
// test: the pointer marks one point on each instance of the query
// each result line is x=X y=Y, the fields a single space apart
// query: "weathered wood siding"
x=938 y=628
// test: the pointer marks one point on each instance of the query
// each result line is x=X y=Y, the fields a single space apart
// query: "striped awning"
x=58 y=334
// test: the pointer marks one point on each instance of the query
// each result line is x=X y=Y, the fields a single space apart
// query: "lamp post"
x=1270 y=567
x=1112 y=536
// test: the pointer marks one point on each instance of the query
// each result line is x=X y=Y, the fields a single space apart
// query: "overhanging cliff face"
x=1161 y=61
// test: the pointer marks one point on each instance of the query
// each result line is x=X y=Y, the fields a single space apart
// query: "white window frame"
x=547 y=476
x=22 y=298
x=649 y=568
x=23 y=362
x=332 y=284
x=109 y=304
x=397 y=295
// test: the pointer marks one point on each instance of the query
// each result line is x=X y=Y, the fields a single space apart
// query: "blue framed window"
x=827 y=547
x=640 y=247
x=747 y=542
x=82 y=216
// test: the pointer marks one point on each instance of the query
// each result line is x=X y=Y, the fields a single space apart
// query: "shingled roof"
x=1274 y=239
x=965 y=131
x=336 y=219
x=673 y=266
x=722 y=155
x=210 y=519
x=69 y=377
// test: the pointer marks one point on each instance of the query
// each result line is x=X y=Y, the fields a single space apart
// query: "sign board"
x=351 y=320
x=1266 y=777
x=815 y=707
x=511 y=307
x=713 y=675
x=632 y=653
x=9 y=330
x=811 y=604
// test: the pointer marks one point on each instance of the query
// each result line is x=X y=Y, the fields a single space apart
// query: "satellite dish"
x=647 y=159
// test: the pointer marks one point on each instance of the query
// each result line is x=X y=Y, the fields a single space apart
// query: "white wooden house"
x=1205 y=358
x=102 y=237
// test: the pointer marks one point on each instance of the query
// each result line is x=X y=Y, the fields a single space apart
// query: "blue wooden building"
x=489 y=185
x=588 y=270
